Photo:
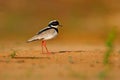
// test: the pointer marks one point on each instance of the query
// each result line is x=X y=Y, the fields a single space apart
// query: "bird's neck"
x=53 y=26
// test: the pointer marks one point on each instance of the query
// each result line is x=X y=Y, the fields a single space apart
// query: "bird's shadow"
x=46 y=57
x=17 y=57
x=67 y=51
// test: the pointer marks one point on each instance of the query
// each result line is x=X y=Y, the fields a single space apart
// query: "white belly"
x=50 y=36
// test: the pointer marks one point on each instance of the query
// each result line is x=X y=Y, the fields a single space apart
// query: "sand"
x=22 y=61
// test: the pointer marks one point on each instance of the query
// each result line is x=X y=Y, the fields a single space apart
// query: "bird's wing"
x=46 y=33
x=42 y=30
x=34 y=38
x=42 y=34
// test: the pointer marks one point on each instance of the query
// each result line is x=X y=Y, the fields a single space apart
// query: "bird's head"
x=54 y=23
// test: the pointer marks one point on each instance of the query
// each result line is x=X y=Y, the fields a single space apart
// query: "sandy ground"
x=66 y=62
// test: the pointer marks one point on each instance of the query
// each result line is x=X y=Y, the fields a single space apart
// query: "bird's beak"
x=60 y=25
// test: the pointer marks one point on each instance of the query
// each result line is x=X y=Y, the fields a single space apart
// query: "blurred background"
x=81 y=19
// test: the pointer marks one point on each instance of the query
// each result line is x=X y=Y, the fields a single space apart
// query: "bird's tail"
x=34 y=38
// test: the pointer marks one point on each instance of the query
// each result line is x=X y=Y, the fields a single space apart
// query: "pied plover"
x=47 y=33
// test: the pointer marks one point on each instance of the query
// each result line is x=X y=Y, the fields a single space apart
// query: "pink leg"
x=44 y=44
x=42 y=47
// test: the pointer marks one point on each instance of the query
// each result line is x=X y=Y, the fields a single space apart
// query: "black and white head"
x=54 y=23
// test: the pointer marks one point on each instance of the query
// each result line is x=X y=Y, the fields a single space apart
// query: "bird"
x=46 y=33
